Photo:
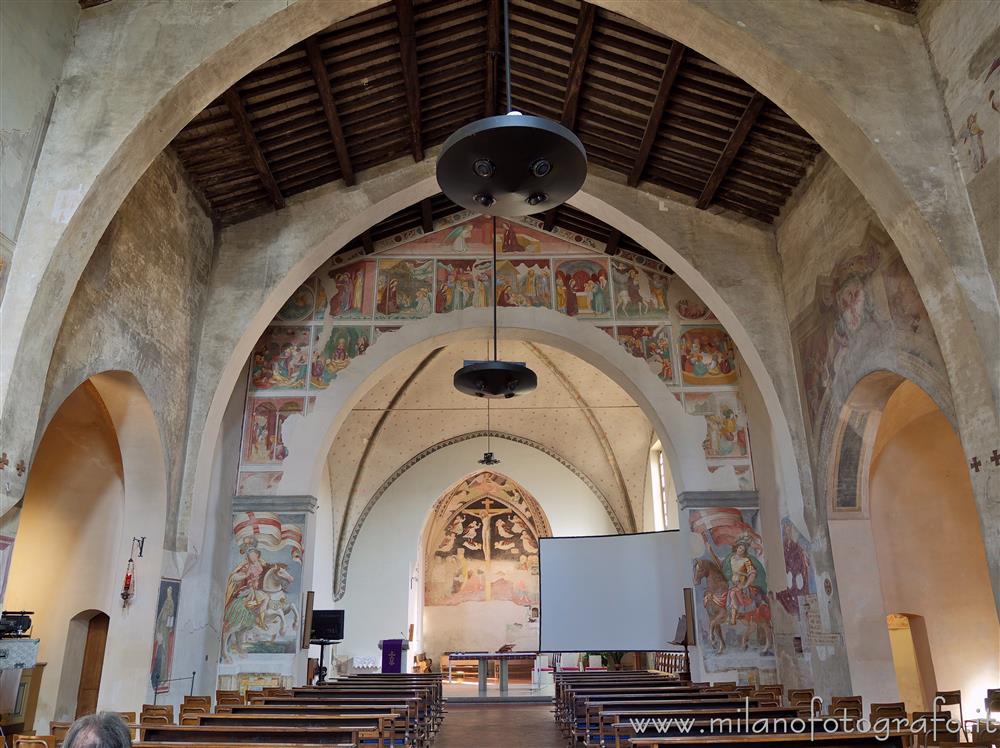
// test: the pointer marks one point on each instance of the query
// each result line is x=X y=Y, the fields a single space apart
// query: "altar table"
x=484 y=658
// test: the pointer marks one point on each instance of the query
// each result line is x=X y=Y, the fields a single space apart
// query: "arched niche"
x=100 y=483
x=906 y=537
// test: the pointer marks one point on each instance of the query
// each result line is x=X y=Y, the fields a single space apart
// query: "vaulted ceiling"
x=398 y=79
x=577 y=412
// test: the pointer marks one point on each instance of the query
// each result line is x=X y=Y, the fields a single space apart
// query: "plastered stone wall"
x=138 y=305
x=963 y=39
x=35 y=39
x=853 y=309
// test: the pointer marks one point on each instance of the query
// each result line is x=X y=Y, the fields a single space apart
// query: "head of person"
x=101 y=730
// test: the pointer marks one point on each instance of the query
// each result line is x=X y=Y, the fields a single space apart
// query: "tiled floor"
x=499 y=726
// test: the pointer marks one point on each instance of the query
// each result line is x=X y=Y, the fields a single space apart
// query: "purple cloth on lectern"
x=392 y=656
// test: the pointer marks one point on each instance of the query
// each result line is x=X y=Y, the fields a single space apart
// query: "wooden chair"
x=950 y=699
x=191 y=718
x=127 y=717
x=766 y=698
x=59 y=730
x=154 y=710
x=926 y=733
x=255 y=697
x=277 y=692
x=847 y=707
x=35 y=741
x=205 y=701
x=229 y=698
x=776 y=690
x=801 y=699
x=889 y=711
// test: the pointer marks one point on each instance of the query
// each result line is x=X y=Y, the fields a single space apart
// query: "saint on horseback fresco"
x=731 y=584
x=261 y=612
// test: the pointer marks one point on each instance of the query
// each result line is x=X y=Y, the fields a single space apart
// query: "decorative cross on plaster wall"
x=975 y=464
x=4 y=462
x=995 y=458
x=20 y=467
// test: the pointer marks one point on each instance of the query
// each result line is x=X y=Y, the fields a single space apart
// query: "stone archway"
x=104 y=485
x=905 y=537
x=802 y=72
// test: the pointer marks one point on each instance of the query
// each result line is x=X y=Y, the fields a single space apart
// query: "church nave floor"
x=499 y=726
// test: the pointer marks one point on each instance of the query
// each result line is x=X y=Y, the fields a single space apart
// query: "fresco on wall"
x=800 y=582
x=725 y=422
x=733 y=614
x=300 y=305
x=983 y=98
x=262 y=440
x=524 y=283
x=867 y=299
x=462 y=284
x=481 y=551
x=582 y=288
x=404 y=289
x=280 y=360
x=261 y=605
x=333 y=350
x=652 y=343
x=164 y=632
x=708 y=356
x=351 y=301
x=638 y=292
x=349 y=290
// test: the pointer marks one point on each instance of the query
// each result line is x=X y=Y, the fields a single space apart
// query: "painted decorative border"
x=340 y=578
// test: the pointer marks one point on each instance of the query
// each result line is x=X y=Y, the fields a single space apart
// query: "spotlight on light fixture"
x=509 y=164
x=489 y=459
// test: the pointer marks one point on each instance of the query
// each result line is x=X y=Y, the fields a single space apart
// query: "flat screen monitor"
x=327 y=625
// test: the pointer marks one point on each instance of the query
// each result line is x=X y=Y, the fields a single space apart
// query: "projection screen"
x=611 y=592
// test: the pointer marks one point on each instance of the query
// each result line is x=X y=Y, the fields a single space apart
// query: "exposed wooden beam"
x=581 y=45
x=614 y=239
x=493 y=22
x=322 y=79
x=743 y=127
x=408 y=56
x=239 y=114
x=549 y=222
x=426 y=215
x=367 y=242
x=674 y=60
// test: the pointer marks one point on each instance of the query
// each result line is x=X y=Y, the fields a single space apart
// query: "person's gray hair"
x=101 y=730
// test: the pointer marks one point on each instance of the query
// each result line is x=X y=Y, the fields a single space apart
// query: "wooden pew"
x=385 y=721
x=350 y=732
x=617 y=725
x=417 y=712
x=588 y=711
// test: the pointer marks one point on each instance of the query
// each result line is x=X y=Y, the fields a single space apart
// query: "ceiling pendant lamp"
x=513 y=164
x=494 y=378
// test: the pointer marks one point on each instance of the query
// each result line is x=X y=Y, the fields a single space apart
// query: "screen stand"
x=321 y=670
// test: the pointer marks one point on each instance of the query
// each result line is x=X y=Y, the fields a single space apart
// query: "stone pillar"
x=270 y=571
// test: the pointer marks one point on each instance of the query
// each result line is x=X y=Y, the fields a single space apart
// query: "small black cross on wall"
x=995 y=458
x=975 y=464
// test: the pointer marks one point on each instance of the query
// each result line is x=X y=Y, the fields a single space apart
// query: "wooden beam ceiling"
x=239 y=115
x=402 y=76
x=670 y=70
x=322 y=80
x=735 y=142
x=408 y=56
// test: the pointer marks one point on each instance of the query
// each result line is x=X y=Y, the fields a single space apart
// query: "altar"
x=484 y=658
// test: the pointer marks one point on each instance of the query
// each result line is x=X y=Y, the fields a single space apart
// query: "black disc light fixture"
x=494 y=378
x=512 y=164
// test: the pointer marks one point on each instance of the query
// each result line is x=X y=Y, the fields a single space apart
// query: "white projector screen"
x=611 y=592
